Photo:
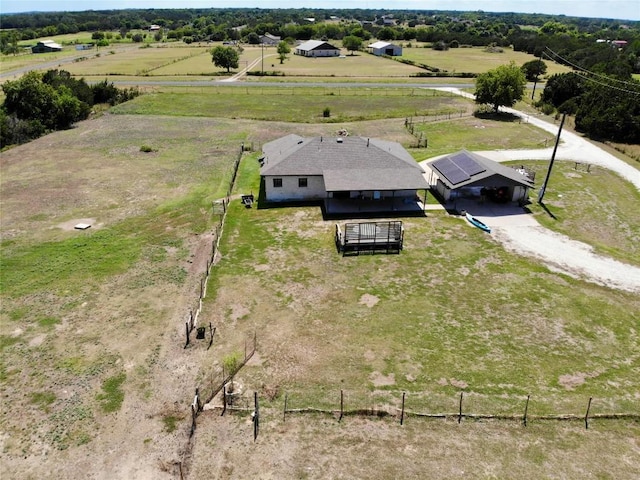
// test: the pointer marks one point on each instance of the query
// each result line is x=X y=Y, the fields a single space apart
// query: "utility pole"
x=262 y=64
x=535 y=82
x=553 y=157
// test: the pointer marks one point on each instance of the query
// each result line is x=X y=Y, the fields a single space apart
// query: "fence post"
x=224 y=397
x=284 y=412
x=402 y=414
x=200 y=406
x=460 y=412
x=193 y=421
x=211 y=338
x=186 y=324
x=256 y=416
x=586 y=415
x=341 y=405
x=526 y=407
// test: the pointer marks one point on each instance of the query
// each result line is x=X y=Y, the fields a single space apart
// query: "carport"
x=466 y=174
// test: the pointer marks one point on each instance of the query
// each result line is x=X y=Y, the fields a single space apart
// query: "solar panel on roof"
x=468 y=164
x=451 y=171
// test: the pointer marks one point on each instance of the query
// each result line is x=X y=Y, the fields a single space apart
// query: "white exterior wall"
x=519 y=193
x=444 y=192
x=315 y=189
x=318 y=53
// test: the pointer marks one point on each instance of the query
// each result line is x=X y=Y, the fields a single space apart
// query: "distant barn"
x=385 y=48
x=317 y=48
x=45 y=46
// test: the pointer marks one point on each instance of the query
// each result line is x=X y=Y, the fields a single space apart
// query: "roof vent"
x=339 y=139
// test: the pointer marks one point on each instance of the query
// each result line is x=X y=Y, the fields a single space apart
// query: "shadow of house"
x=351 y=176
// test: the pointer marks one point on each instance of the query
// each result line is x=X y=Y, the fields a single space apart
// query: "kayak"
x=477 y=223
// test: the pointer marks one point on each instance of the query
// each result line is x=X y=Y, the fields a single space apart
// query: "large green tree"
x=352 y=43
x=225 y=57
x=283 y=50
x=502 y=86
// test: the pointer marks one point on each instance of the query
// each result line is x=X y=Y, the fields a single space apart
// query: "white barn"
x=385 y=48
x=317 y=48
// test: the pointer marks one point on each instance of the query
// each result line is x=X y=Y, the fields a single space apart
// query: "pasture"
x=474 y=60
x=92 y=322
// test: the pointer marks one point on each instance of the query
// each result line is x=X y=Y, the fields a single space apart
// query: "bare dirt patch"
x=369 y=300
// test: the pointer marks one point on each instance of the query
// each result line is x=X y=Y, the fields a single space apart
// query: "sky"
x=618 y=9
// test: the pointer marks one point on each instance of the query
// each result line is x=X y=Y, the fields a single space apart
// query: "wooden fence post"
x=341 y=405
x=256 y=416
x=193 y=421
x=284 y=412
x=211 y=338
x=586 y=415
x=460 y=412
x=186 y=324
x=526 y=407
x=402 y=414
x=198 y=403
x=224 y=397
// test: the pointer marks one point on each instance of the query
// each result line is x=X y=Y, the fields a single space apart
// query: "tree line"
x=39 y=103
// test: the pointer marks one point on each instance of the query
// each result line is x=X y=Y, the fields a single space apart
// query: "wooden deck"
x=372 y=237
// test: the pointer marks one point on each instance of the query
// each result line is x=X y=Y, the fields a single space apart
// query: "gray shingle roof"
x=354 y=163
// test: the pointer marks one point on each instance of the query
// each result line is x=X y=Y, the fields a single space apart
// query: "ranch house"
x=349 y=174
x=317 y=48
x=466 y=174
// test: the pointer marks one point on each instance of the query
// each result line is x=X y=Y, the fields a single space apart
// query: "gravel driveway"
x=521 y=233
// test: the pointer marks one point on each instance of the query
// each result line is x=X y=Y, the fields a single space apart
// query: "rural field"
x=176 y=61
x=95 y=375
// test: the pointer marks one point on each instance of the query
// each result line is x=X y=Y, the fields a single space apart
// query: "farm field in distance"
x=92 y=322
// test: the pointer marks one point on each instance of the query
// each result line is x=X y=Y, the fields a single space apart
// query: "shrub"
x=326 y=113
x=146 y=149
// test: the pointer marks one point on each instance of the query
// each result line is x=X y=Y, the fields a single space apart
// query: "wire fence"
x=219 y=208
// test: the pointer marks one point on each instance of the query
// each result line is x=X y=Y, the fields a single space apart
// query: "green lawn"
x=454 y=311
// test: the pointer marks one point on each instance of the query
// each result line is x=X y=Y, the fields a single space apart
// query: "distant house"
x=45 y=46
x=154 y=28
x=268 y=39
x=317 y=48
x=359 y=174
x=385 y=48
x=467 y=174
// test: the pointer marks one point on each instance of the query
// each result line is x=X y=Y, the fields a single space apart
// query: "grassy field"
x=473 y=60
x=92 y=322
x=275 y=103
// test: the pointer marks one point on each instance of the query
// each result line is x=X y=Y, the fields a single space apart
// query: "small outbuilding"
x=45 y=46
x=270 y=40
x=317 y=48
x=385 y=48
x=466 y=174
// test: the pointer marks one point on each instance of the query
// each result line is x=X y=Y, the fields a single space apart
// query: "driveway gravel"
x=521 y=233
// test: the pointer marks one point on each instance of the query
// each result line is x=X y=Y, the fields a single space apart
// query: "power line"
x=578 y=67
x=582 y=71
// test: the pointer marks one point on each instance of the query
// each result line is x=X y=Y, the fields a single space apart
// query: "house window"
x=277 y=183
x=302 y=183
